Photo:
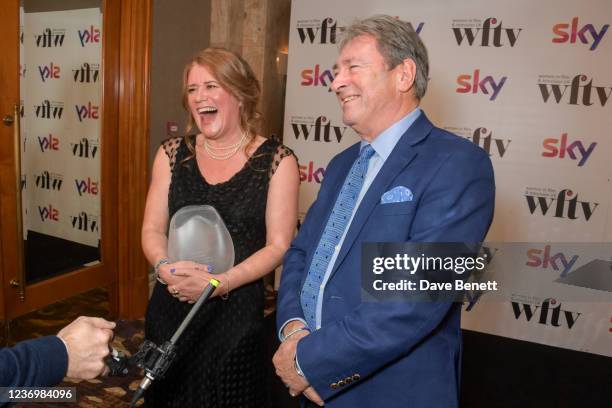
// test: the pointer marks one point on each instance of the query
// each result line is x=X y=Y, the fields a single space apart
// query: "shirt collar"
x=384 y=143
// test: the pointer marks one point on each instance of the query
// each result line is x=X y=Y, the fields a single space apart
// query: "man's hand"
x=284 y=362
x=87 y=340
x=312 y=395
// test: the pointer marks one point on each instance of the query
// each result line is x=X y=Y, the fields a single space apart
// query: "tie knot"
x=366 y=152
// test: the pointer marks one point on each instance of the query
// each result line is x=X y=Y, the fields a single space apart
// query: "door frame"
x=124 y=166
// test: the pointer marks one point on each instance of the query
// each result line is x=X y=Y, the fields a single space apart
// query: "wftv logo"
x=50 y=71
x=563 y=36
x=89 y=35
x=49 y=110
x=48 y=143
x=472 y=83
x=539 y=258
x=529 y=310
x=50 y=38
x=84 y=222
x=557 y=87
x=86 y=148
x=86 y=186
x=500 y=146
x=309 y=174
x=49 y=181
x=315 y=77
x=88 y=111
x=559 y=147
x=322 y=129
x=86 y=73
x=48 y=213
x=489 y=32
x=542 y=198
x=316 y=30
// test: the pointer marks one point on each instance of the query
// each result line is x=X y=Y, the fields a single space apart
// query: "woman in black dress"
x=253 y=184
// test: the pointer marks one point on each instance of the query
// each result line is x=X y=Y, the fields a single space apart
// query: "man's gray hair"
x=396 y=40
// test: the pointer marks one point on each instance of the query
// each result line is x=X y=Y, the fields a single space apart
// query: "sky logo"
x=89 y=35
x=50 y=71
x=575 y=150
x=88 y=111
x=538 y=258
x=48 y=143
x=86 y=186
x=316 y=77
x=473 y=83
x=309 y=174
x=585 y=34
x=48 y=213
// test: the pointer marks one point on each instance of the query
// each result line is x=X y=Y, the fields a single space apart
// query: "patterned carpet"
x=102 y=392
x=117 y=391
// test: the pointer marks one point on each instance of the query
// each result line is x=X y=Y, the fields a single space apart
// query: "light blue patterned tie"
x=336 y=224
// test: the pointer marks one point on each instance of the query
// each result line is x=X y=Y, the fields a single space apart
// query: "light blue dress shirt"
x=383 y=145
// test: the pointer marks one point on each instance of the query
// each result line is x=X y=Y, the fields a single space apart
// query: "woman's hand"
x=186 y=280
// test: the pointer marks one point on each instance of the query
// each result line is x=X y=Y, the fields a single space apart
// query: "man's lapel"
x=400 y=157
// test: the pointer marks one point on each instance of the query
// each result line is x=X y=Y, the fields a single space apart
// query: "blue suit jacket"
x=34 y=363
x=391 y=354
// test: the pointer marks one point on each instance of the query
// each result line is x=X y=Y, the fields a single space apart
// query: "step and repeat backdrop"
x=530 y=83
x=60 y=128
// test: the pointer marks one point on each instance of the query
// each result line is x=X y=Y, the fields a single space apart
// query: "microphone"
x=157 y=359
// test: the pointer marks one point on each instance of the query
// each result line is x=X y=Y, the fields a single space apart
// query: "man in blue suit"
x=413 y=182
x=78 y=351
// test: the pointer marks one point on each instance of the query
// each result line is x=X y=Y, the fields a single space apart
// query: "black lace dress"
x=221 y=357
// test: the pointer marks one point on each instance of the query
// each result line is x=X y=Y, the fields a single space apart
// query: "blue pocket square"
x=397 y=194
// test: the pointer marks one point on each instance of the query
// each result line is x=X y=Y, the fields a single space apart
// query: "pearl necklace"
x=224 y=156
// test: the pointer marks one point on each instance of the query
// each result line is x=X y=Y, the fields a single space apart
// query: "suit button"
x=348 y=380
x=341 y=383
x=356 y=377
x=333 y=386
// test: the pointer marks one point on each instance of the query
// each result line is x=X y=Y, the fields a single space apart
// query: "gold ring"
x=174 y=291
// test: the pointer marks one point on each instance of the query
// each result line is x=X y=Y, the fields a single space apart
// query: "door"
x=58 y=140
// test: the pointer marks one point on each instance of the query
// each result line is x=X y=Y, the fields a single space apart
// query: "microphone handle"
x=148 y=379
x=212 y=285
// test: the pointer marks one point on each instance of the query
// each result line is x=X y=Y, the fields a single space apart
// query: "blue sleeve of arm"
x=34 y=363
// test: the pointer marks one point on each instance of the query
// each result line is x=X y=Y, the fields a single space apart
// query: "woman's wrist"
x=225 y=285
x=158 y=264
x=161 y=261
